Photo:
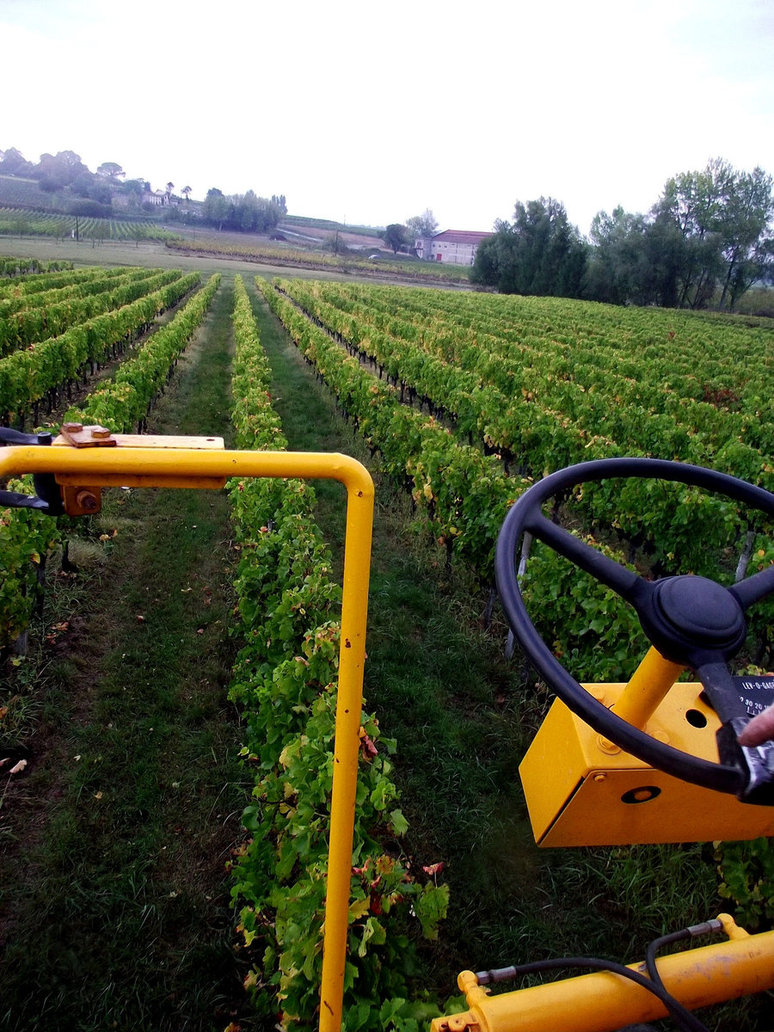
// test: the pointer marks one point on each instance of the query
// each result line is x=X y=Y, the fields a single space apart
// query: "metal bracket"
x=76 y=495
x=47 y=498
x=80 y=436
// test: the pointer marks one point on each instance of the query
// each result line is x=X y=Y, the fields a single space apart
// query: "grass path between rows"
x=117 y=915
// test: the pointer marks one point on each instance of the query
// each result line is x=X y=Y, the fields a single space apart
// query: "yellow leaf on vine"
x=359 y=909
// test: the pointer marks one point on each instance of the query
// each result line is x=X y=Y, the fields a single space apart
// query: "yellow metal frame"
x=604 y=1001
x=583 y=791
x=202 y=463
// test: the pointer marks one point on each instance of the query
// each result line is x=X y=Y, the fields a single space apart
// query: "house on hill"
x=455 y=246
x=158 y=198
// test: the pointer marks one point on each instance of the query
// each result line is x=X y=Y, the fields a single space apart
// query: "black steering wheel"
x=692 y=621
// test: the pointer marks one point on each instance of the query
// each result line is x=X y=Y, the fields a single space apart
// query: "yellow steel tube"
x=159 y=466
x=602 y=1002
x=357 y=560
x=650 y=683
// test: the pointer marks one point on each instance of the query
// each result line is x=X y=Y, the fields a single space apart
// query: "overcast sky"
x=370 y=113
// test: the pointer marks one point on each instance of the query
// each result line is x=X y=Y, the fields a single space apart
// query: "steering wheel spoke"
x=721 y=690
x=753 y=589
x=610 y=573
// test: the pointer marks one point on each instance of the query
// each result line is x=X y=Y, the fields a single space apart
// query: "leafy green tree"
x=186 y=192
x=724 y=219
x=83 y=184
x=691 y=204
x=92 y=187
x=253 y=214
x=245 y=213
x=634 y=260
x=90 y=208
x=492 y=253
x=270 y=211
x=422 y=226
x=395 y=236
x=539 y=253
x=100 y=192
x=706 y=241
x=748 y=244
x=216 y=207
x=615 y=263
x=59 y=170
x=666 y=254
x=15 y=164
x=134 y=187
x=111 y=170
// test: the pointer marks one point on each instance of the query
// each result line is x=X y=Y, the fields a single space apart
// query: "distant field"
x=301 y=222
x=21 y=222
x=28 y=211
x=155 y=254
x=462 y=396
x=286 y=254
x=26 y=193
x=16 y=192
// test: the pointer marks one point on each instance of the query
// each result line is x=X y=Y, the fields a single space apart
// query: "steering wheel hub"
x=699 y=611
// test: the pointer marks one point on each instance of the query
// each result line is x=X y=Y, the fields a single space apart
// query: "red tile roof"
x=461 y=236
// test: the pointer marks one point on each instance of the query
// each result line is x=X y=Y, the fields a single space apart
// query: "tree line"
x=703 y=244
x=246 y=212
x=63 y=173
x=92 y=193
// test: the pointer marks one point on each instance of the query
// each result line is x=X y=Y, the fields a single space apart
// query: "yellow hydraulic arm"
x=604 y=1001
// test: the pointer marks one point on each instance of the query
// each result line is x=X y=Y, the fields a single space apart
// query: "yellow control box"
x=583 y=791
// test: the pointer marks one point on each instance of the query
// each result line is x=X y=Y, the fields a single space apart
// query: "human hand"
x=759 y=730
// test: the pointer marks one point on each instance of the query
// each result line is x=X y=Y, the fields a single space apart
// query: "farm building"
x=456 y=246
x=157 y=198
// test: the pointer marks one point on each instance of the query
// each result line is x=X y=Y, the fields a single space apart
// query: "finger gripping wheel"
x=692 y=621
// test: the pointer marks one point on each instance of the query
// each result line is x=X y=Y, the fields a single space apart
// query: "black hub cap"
x=696 y=613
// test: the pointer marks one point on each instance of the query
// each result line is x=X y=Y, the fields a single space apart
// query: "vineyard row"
x=61 y=286
x=25 y=266
x=513 y=397
x=27 y=536
x=19 y=222
x=30 y=376
x=49 y=316
x=285 y=678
